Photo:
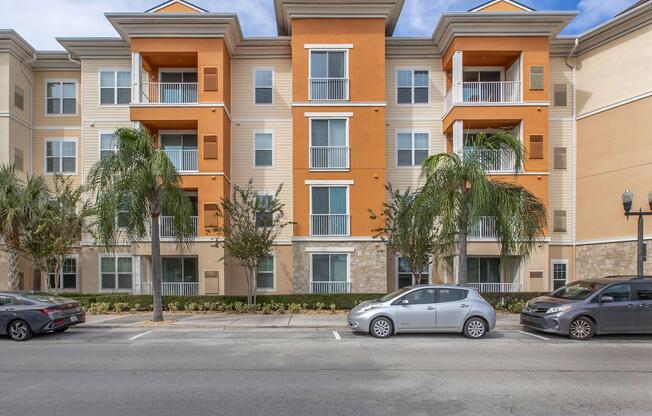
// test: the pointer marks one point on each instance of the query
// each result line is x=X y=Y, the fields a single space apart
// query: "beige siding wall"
x=416 y=118
x=15 y=123
x=40 y=118
x=276 y=118
x=615 y=71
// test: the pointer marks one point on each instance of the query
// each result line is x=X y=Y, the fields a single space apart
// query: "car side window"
x=620 y=293
x=643 y=291
x=450 y=295
x=420 y=297
x=6 y=300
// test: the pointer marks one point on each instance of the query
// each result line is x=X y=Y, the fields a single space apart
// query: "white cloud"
x=594 y=12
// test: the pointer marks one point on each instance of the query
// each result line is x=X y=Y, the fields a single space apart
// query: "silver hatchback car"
x=425 y=308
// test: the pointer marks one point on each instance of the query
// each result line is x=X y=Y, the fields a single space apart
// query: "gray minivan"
x=614 y=304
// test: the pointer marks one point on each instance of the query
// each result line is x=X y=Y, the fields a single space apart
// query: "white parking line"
x=135 y=337
x=337 y=335
x=533 y=335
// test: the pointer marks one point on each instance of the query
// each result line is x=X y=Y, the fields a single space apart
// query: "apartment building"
x=333 y=108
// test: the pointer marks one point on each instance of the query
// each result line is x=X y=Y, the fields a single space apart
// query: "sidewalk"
x=224 y=321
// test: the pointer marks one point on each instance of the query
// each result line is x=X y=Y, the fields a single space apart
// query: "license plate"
x=74 y=319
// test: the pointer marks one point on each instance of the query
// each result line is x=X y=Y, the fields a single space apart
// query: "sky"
x=40 y=21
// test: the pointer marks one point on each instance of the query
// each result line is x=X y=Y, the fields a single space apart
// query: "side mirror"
x=606 y=299
x=405 y=302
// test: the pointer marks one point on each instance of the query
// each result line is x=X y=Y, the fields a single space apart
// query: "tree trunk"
x=156 y=270
x=462 y=250
x=12 y=275
x=36 y=279
x=57 y=275
x=253 y=286
x=250 y=299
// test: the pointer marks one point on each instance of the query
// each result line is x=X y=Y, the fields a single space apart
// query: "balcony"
x=168 y=93
x=166 y=226
x=184 y=160
x=172 y=288
x=329 y=89
x=493 y=160
x=483 y=228
x=329 y=224
x=496 y=287
x=487 y=92
x=329 y=157
x=327 y=287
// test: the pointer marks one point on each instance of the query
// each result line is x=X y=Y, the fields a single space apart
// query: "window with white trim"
x=328 y=272
x=263 y=210
x=412 y=148
x=412 y=86
x=115 y=87
x=116 y=273
x=263 y=149
x=559 y=274
x=560 y=95
x=263 y=86
x=61 y=156
x=265 y=274
x=404 y=273
x=67 y=276
x=61 y=97
x=108 y=144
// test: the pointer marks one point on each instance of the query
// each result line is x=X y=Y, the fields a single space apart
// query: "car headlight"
x=370 y=306
x=556 y=309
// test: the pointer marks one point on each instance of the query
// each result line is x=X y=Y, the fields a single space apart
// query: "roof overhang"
x=96 y=48
x=286 y=10
x=178 y=25
x=11 y=42
x=54 y=61
x=547 y=24
x=411 y=48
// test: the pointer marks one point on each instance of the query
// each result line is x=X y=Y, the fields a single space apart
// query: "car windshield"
x=394 y=294
x=45 y=298
x=577 y=290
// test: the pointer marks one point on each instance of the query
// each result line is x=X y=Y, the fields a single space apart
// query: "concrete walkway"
x=505 y=321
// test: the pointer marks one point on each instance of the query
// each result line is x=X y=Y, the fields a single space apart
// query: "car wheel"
x=581 y=328
x=19 y=330
x=475 y=328
x=381 y=327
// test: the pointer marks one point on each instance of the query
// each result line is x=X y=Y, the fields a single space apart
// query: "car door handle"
x=430 y=308
x=630 y=306
x=642 y=305
x=464 y=305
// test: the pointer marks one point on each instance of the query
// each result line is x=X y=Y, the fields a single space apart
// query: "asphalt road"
x=312 y=372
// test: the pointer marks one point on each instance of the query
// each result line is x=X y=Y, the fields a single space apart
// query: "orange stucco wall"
x=501 y=6
x=176 y=8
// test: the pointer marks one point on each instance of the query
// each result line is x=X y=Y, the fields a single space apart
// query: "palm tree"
x=19 y=201
x=142 y=182
x=458 y=188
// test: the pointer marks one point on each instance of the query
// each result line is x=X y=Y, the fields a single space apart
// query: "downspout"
x=574 y=150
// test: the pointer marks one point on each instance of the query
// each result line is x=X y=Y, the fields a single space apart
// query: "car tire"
x=19 y=330
x=475 y=328
x=381 y=327
x=581 y=329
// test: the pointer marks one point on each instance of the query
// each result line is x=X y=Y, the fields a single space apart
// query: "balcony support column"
x=458 y=137
x=458 y=76
x=136 y=76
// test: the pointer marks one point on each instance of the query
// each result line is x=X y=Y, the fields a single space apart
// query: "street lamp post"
x=628 y=198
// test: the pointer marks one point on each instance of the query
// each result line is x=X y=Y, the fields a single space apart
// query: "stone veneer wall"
x=368 y=263
x=598 y=260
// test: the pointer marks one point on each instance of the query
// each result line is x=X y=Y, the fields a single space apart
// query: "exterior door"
x=452 y=308
x=644 y=306
x=619 y=315
x=418 y=313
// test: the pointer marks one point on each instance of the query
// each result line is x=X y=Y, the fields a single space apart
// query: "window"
x=180 y=270
x=18 y=159
x=412 y=148
x=559 y=157
x=265 y=274
x=643 y=291
x=108 y=144
x=559 y=274
x=263 y=210
x=7 y=300
x=116 y=273
x=420 y=297
x=559 y=221
x=536 y=78
x=263 y=149
x=328 y=72
x=328 y=147
x=451 y=295
x=61 y=97
x=61 y=156
x=404 y=274
x=263 y=86
x=329 y=210
x=19 y=97
x=181 y=149
x=559 y=98
x=620 y=293
x=483 y=269
x=536 y=147
x=68 y=276
x=122 y=215
x=115 y=87
x=329 y=267
x=412 y=86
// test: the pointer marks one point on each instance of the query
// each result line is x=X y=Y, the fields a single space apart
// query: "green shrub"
x=319 y=306
x=267 y=308
x=121 y=307
x=173 y=306
x=333 y=307
x=294 y=308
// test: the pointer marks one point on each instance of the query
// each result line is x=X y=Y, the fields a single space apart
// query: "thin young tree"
x=19 y=201
x=408 y=230
x=140 y=181
x=249 y=224
x=458 y=189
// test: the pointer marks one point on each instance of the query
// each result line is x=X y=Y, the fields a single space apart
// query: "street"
x=321 y=371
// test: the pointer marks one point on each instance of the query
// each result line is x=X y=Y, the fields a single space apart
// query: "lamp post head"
x=627 y=197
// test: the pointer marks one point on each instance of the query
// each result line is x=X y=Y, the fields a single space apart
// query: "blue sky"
x=40 y=21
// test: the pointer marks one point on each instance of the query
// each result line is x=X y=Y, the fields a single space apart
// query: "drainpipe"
x=574 y=150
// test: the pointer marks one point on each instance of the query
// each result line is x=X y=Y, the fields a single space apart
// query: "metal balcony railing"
x=496 y=160
x=329 y=88
x=184 y=160
x=168 y=92
x=329 y=224
x=330 y=287
x=329 y=157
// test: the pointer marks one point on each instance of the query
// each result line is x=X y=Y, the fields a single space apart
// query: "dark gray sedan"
x=24 y=314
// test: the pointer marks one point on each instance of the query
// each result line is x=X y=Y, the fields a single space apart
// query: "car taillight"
x=46 y=311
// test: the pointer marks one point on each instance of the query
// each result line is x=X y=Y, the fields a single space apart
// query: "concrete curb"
x=507 y=327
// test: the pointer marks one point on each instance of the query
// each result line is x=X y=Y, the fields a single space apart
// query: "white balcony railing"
x=496 y=287
x=484 y=227
x=496 y=160
x=168 y=92
x=330 y=287
x=329 y=88
x=329 y=157
x=491 y=92
x=172 y=288
x=184 y=160
x=329 y=224
x=166 y=226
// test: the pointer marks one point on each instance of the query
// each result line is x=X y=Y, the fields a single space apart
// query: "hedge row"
x=512 y=302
